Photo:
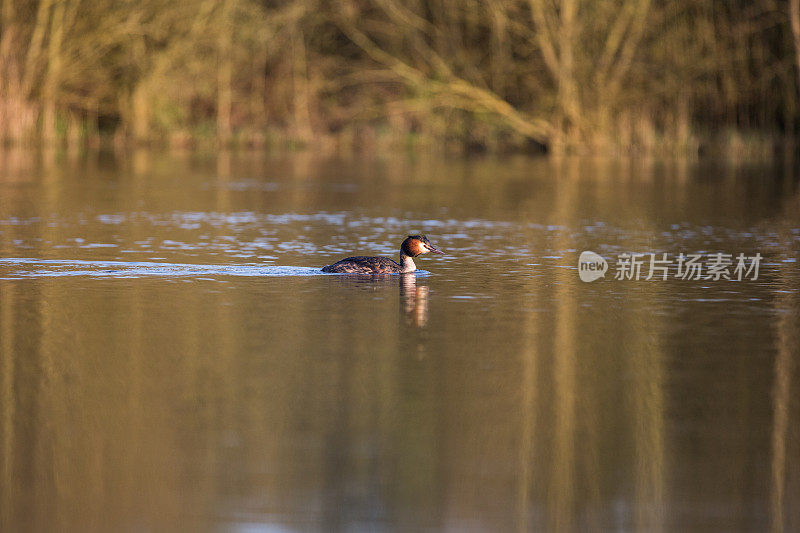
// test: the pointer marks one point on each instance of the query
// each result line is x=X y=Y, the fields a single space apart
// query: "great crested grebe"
x=413 y=246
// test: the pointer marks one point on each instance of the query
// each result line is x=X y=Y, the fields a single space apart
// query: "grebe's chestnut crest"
x=413 y=246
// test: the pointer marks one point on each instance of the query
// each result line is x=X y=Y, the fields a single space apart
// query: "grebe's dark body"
x=365 y=265
x=413 y=246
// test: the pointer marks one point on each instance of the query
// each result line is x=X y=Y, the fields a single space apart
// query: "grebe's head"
x=415 y=245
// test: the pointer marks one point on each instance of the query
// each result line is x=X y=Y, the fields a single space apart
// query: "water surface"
x=172 y=359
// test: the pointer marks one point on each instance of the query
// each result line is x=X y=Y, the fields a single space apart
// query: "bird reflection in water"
x=413 y=297
x=414 y=300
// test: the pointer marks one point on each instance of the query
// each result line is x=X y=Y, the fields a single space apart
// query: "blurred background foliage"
x=679 y=77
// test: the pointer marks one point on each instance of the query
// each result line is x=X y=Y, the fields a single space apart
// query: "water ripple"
x=37 y=268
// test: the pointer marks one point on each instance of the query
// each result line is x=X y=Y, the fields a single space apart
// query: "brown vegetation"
x=630 y=75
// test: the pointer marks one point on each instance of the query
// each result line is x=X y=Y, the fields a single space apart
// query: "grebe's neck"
x=407 y=263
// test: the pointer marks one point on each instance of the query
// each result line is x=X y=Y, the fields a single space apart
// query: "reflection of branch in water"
x=414 y=300
x=787 y=344
x=784 y=369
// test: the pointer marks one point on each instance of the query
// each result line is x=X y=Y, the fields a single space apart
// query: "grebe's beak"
x=434 y=250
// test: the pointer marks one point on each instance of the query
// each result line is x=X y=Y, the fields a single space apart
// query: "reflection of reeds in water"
x=648 y=411
x=788 y=347
x=781 y=397
x=528 y=411
x=561 y=493
x=7 y=401
x=562 y=459
x=119 y=406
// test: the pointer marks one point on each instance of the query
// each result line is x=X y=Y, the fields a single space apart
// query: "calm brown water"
x=160 y=372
